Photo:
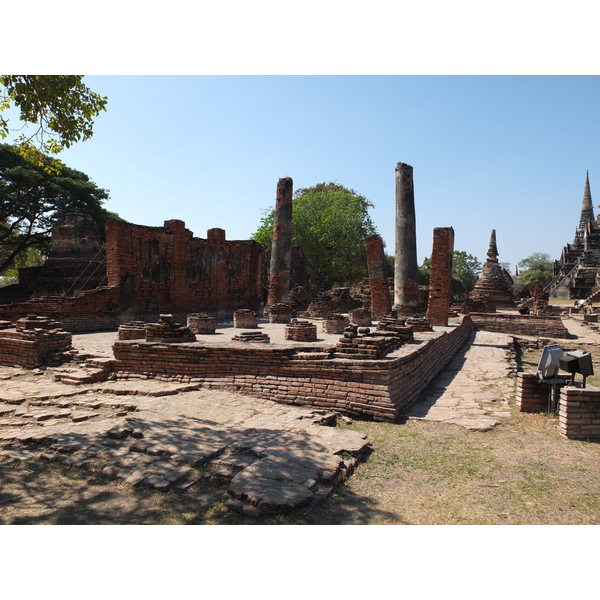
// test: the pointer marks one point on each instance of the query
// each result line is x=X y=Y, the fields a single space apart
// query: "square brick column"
x=381 y=303
x=440 y=279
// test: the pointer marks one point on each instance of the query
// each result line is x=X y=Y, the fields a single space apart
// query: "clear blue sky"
x=508 y=153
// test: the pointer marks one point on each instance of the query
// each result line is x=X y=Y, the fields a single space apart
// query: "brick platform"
x=33 y=342
x=379 y=389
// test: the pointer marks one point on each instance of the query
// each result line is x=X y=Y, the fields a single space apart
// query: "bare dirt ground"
x=420 y=472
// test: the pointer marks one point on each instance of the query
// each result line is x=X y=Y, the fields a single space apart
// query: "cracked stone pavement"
x=473 y=390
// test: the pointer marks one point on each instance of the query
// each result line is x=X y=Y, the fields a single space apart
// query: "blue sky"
x=508 y=153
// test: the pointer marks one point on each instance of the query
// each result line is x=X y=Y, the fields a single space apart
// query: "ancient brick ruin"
x=149 y=271
x=380 y=379
x=33 y=342
x=381 y=303
x=162 y=287
x=440 y=279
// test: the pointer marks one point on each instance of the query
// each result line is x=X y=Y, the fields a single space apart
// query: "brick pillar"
x=406 y=287
x=281 y=248
x=579 y=413
x=380 y=293
x=440 y=280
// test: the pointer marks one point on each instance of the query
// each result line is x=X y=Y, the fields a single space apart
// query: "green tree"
x=465 y=271
x=330 y=223
x=538 y=267
x=32 y=199
x=61 y=107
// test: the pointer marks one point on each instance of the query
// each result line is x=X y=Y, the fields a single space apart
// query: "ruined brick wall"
x=380 y=389
x=90 y=311
x=544 y=326
x=440 y=281
x=167 y=270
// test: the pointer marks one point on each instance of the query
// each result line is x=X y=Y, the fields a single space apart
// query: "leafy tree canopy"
x=32 y=199
x=330 y=223
x=465 y=272
x=60 y=106
x=538 y=267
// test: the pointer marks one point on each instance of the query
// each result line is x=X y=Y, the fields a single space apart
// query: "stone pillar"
x=281 y=248
x=381 y=304
x=406 y=287
x=440 y=280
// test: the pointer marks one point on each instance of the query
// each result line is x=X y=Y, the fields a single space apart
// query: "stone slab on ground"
x=173 y=435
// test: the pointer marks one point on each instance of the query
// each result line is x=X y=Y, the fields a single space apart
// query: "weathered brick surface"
x=301 y=331
x=281 y=312
x=90 y=311
x=33 y=342
x=578 y=408
x=532 y=394
x=244 y=318
x=201 y=323
x=543 y=326
x=440 y=281
x=379 y=389
x=381 y=302
x=579 y=413
x=335 y=323
x=281 y=248
x=166 y=270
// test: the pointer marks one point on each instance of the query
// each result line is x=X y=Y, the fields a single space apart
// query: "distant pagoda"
x=495 y=281
x=576 y=274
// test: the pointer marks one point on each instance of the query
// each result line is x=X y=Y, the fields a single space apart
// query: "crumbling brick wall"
x=166 y=270
x=542 y=326
x=90 y=311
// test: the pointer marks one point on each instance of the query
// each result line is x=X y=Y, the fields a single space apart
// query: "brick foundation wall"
x=90 y=311
x=380 y=389
x=543 y=326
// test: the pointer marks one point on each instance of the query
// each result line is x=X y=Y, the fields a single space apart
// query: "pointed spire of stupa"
x=492 y=252
x=587 y=210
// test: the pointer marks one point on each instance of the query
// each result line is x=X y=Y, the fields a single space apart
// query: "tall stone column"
x=378 y=281
x=281 y=248
x=440 y=280
x=406 y=287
